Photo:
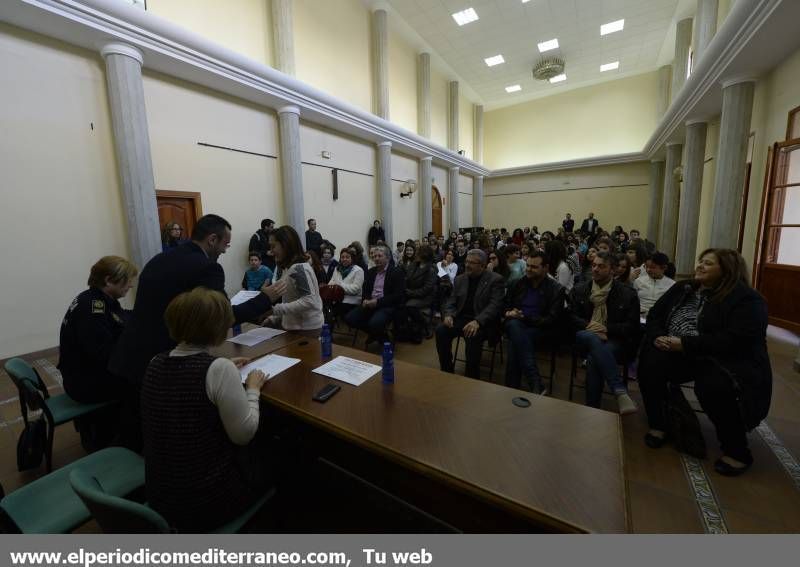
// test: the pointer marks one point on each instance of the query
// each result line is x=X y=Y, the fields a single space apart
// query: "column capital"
x=479 y=177
x=736 y=80
x=379 y=6
x=696 y=121
x=454 y=168
x=426 y=158
x=668 y=144
x=289 y=109
x=116 y=48
x=384 y=143
x=657 y=161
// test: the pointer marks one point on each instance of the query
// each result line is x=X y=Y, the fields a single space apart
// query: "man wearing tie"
x=589 y=225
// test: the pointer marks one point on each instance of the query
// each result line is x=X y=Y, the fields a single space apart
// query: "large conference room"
x=482 y=266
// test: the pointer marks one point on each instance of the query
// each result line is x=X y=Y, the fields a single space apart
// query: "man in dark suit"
x=589 y=225
x=568 y=223
x=472 y=311
x=383 y=292
x=313 y=238
x=167 y=275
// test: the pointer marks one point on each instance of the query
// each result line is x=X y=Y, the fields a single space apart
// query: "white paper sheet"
x=243 y=296
x=255 y=336
x=272 y=364
x=348 y=370
x=442 y=272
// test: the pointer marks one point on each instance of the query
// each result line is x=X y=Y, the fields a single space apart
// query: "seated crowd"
x=610 y=297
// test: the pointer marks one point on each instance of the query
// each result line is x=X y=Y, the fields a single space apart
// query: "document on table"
x=255 y=336
x=243 y=296
x=349 y=370
x=272 y=365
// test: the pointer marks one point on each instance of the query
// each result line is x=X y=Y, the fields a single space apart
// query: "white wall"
x=405 y=210
x=62 y=209
x=240 y=187
x=464 y=201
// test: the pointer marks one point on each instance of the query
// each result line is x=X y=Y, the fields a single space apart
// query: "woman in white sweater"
x=301 y=307
x=350 y=278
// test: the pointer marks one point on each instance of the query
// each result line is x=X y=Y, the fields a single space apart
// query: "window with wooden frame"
x=782 y=227
x=793 y=127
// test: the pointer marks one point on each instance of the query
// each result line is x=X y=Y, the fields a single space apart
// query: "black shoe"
x=653 y=441
x=726 y=469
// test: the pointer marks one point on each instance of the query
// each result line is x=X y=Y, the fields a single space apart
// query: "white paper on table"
x=243 y=296
x=349 y=370
x=272 y=365
x=255 y=336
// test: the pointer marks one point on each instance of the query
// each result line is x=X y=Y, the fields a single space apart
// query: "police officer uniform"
x=91 y=327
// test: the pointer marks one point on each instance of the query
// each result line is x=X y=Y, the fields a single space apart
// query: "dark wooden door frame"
x=193 y=195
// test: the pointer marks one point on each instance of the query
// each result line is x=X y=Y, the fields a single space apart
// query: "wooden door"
x=437 y=212
x=778 y=269
x=182 y=207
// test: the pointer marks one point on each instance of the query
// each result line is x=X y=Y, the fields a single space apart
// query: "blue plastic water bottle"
x=327 y=343
x=236 y=329
x=388 y=363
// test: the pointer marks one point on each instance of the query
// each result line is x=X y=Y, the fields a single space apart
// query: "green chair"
x=119 y=516
x=33 y=394
x=49 y=505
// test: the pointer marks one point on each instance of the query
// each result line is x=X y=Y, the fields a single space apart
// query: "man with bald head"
x=472 y=311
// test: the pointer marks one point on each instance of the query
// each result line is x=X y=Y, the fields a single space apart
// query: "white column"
x=291 y=171
x=425 y=194
x=283 y=36
x=477 y=201
x=452 y=123
x=384 y=178
x=380 y=64
x=132 y=146
x=734 y=131
x=689 y=215
x=680 y=65
x=664 y=79
x=478 y=142
x=669 y=207
x=452 y=192
x=656 y=197
x=705 y=26
x=424 y=95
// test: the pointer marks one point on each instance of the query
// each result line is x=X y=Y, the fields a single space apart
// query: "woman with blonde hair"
x=196 y=418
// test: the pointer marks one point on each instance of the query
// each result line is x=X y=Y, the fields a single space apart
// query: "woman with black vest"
x=197 y=420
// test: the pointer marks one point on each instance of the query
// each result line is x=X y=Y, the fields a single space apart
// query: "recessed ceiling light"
x=558 y=78
x=495 y=60
x=513 y=88
x=465 y=16
x=609 y=66
x=548 y=45
x=525 y=1
x=612 y=27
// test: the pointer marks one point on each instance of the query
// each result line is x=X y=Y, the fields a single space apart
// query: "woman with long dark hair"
x=556 y=254
x=712 y=330
x=301 y=306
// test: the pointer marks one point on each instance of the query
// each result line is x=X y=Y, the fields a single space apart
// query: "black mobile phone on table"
x=326 y=393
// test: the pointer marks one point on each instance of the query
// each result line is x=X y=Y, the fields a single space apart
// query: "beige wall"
x=465 y=127
x=439 y=97
x=617 y=194
x=402 y=81
x=605 y=119
x=464 y=201
x=332 y=48
x=243 y=25
x=776 y=94
x=62 y=207
x=405 y=210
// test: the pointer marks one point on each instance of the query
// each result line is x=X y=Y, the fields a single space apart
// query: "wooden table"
x=467 y=455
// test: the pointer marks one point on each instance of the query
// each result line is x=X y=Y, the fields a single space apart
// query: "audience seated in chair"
x=534 y=309
x=197 y=420
x=652 y=283
x=712 y=330
x=473 y=311
x=605 y=319
x=421 y=283
x=350 y=278
x=384 y=291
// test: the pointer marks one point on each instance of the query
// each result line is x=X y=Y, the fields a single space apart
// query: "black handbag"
x=31 y=445
x=684 y=427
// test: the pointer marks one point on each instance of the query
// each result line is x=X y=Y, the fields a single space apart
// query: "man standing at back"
x=259 y=242
x=589 y=225
x=313 y=238
x=167 y=275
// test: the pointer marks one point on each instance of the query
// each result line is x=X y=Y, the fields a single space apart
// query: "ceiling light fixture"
x=612 y=27
x=548 y=68
x=494 y=60
x=548 y=45
x=513 y=88
x=558 y=78
x=465 y=16
x=609 y=66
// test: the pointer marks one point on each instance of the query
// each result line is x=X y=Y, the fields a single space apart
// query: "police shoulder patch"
x=98 y=306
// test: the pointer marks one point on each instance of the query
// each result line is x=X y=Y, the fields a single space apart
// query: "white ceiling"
x=513 y=29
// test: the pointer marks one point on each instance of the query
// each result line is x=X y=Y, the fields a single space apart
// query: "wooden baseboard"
x=784 y=324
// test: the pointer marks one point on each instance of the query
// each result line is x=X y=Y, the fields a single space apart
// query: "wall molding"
x=764 y=28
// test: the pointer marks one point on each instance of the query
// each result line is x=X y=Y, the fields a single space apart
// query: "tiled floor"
x=662 y=497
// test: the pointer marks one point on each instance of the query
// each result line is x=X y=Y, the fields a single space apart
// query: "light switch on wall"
x=326 y=155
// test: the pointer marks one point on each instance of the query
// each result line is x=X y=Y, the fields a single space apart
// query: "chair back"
x=114 y=514
x=30 y=387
